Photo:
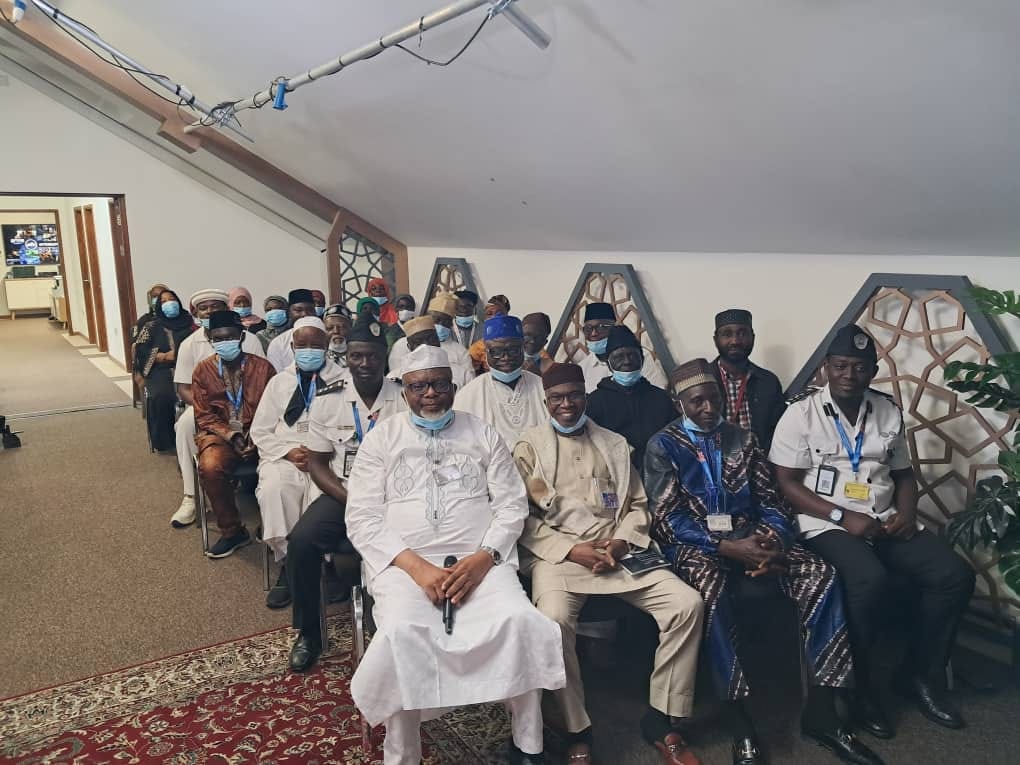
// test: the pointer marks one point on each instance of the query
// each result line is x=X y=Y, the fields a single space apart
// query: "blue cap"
x=501 y=327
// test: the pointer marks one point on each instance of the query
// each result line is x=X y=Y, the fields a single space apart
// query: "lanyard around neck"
x=741 y=393
x=311 y=391
x=852 y=452
x=711 y=464
x=235 y=399
x=357 y=422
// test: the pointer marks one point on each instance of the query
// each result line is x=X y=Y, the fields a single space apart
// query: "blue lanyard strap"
x=711 y=465
x=236 y=400
x=357 y=423
x=311 y=391
x=852 y=452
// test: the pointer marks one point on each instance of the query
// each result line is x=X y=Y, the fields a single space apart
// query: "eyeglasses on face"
x=574 y=397
x=439 y=386
x=591 y=329
x=504 y=353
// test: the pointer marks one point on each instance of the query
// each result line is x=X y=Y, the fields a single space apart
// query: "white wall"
x=795 y=299
x=181 y=232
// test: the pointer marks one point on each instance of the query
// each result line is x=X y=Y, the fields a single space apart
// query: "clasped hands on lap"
x=455 y=583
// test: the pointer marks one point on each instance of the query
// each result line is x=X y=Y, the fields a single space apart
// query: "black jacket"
x=765 y=402
x=636 y=413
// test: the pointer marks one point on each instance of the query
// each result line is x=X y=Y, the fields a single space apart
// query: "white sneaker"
x=185 y=515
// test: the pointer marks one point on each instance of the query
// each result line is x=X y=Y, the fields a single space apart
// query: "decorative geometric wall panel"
x=618 y=285
x=920 y=324
x=362 y=259
x=449 y=275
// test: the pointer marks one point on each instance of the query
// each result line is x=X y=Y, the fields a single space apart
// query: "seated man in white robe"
x=599 y=318
x=589 y=510
x=337 y=424
x=507 y=396
x=435 y=507
x=280 y=352
x=441 y=310
x=280 y=429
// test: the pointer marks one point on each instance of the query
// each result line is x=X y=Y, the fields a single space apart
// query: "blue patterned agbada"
x=677 y=498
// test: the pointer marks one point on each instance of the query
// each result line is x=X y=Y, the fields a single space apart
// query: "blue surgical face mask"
x=534 y=358
x=277 y=317
x=383 y=300
x=464 y=322
x=581 y=422
x=228 y=350
x=443 y=333
x=429 y=423
x=689 y=424
x=204 y=323
x=244 y=311
x=506 y=377
x=627 y=379
x=309 y=359
x=171 y=309
x=319 y=310
x=598 y=347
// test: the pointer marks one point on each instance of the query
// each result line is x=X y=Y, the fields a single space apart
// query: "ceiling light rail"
x=278 y=89
x=221 y=115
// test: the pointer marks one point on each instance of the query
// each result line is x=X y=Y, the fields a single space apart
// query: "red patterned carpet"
x=232 y=703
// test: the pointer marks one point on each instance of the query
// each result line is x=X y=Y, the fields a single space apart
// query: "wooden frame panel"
x=450 y=275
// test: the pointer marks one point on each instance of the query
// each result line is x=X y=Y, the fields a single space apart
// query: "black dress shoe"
x=517 y=757
x=279 y=594
x=303 y=654
x=931 y=700
x=746 y=752
x=868 y=716
x=842 y=743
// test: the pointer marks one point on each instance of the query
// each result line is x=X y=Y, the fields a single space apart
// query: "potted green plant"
x=992 y=519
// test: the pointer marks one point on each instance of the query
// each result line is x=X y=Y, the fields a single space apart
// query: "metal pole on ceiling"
x=220 y=114
x=277 y=90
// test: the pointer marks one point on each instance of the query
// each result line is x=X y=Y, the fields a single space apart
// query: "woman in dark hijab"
x=155 y=354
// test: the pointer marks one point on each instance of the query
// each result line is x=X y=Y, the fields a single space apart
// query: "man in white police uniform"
x=435 y=509
x=338 y=422
x=195 y=348
x=599 y=318
x=841 y=458
x=280 y=429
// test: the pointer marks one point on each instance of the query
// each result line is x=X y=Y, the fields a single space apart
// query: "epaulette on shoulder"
x=806 y=393
x=882 y=393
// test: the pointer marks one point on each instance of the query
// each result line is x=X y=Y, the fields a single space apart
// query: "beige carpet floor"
x=92 y=578
x=40 y=370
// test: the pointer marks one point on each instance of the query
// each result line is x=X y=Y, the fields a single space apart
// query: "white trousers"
x=402 y=745
x=281 y=493
x=186 y=449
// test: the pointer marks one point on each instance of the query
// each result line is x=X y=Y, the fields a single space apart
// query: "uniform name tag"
x=825 y=483
x=349 y=456
x=720 y=522
x=302 y=427
x=856 y=490
x=235 y=425
x=610 y=500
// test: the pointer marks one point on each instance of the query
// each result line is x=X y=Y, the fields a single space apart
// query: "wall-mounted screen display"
x=30 y=244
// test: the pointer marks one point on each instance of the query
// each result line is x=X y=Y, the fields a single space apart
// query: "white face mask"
x=405 y=315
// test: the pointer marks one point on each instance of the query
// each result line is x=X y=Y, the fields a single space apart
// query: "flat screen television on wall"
x=30 y=244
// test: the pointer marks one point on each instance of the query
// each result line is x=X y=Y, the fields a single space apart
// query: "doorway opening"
x=84 y=266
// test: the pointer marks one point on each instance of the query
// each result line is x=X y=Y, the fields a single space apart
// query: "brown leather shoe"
x=674 y=750
x=579 y=754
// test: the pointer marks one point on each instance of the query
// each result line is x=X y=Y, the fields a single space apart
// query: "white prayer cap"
x=208 y=294
x=309 y=321
x=425 y=357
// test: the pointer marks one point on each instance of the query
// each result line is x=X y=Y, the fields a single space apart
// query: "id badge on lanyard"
x=351 y=450
x=852 y=489
x=302 y=425
x=718 y=519
x=236 y=399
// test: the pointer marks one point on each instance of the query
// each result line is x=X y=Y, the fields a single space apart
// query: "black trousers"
x=160 y=410
x=320 y=530
x=940 y=585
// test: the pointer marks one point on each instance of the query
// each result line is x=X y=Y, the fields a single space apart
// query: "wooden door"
x=125 y=277
x=95 y=279
x=86 y=280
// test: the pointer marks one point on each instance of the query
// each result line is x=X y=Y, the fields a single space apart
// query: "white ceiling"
x=858 y=126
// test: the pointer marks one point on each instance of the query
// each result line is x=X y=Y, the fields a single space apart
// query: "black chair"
x=245 y=477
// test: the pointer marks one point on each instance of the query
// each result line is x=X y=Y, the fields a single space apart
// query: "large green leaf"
x=996 y=302
x=1009 y=562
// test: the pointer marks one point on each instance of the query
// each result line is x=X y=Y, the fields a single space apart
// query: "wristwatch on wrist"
x=493 y=553
x=836 y=515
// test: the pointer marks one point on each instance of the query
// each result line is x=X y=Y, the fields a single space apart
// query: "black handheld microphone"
x=447 y=603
